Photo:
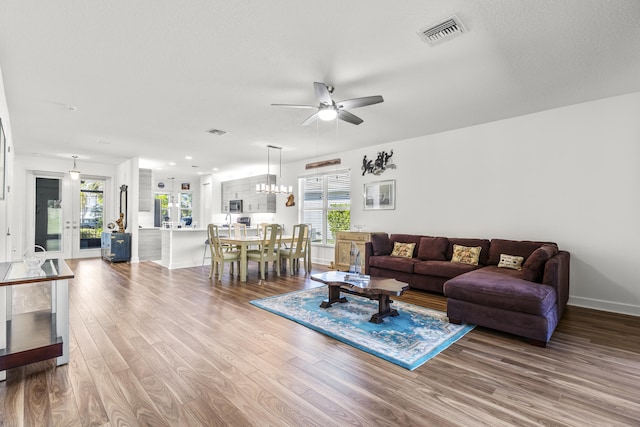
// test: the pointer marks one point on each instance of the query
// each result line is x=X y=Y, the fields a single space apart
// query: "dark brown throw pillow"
x=433 y=248
x=381 y=243
x=533 y=268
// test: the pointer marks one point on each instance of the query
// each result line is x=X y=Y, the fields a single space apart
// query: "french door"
x=66 y=216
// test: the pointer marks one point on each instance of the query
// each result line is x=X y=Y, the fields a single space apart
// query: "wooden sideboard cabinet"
x=343 y=247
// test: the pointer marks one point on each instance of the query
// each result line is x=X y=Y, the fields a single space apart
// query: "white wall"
x=569 y=175
x=5 y=205
x=127 y=174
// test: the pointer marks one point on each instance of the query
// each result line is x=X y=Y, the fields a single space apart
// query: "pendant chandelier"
x=273 y=188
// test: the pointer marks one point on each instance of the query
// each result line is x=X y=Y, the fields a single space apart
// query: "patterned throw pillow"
x=511 y=261
x=404 y=250
x=465 y=255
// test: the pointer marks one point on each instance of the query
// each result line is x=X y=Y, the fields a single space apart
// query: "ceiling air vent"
x=440 y=33
x=216 y=132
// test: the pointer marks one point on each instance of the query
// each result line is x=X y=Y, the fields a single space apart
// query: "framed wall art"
x=379 y=195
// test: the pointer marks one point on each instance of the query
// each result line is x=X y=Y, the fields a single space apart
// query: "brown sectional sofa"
x=527 y=302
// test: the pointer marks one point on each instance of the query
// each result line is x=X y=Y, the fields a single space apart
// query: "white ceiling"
x=149 y=77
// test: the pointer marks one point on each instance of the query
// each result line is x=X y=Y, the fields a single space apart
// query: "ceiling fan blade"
x=294 y=106
x=310 y=119
x=360 y=102
x=348 y=117
x=322 y=93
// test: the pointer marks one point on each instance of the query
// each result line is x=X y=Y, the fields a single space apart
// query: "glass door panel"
x=48 y=214
x=91 y=213
x=67 y=216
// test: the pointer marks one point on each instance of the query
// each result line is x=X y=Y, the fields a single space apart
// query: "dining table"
x=244 y=242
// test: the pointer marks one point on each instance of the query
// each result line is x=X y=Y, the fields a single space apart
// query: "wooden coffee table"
x=376 y=288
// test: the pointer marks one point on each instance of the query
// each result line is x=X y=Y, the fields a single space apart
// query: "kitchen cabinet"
x=343 y=247
x=245 y=189
x=145 y=195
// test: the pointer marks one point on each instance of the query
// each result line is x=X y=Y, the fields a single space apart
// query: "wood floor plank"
x=139 y=401
x=173 y=411
x=115 y=404
x=182 y=391
x=152 y=346
x=64 y=411
x=81 y=335
x=12 y=398
x=88 y=401
x=37 y=408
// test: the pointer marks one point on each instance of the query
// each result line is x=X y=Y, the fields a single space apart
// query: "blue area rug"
x=408 y=340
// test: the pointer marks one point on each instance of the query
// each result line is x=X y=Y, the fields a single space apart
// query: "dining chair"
x=219 y=253
x=269 y=249
x=297 y=248
x=239 y=230
x=260 y=228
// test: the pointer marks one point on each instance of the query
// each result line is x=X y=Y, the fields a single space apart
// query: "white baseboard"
x=596 y=304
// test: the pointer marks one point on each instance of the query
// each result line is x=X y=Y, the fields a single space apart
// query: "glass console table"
x=31 y=337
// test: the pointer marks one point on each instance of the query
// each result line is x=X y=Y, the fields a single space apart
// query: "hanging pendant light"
x=75 y=174
x=273 y=188
x=171 y=202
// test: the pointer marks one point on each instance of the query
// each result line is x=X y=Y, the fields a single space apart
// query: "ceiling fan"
x=328 y=109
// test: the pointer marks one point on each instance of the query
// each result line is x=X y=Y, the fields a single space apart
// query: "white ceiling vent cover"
x=439 y=33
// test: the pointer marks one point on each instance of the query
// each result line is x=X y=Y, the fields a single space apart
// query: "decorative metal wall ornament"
x=379 y=165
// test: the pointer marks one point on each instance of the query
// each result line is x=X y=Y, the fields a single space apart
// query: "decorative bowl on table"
x=34 y=256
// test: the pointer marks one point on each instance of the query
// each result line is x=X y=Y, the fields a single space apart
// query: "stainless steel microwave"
x=235 y=206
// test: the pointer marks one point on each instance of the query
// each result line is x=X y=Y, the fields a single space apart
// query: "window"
x=183 y=206
x=186 y=212
x=326 y=205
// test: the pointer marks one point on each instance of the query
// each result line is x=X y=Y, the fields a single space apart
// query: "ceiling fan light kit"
x=327 y=114
x=328 y=109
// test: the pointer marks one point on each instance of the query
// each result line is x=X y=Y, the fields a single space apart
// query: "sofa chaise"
x=518 y=287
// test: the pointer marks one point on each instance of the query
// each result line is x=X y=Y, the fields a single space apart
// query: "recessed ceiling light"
x=71 y=107
x=216 y=132
x=188 y=157
x=215 y=169
x=172 y=163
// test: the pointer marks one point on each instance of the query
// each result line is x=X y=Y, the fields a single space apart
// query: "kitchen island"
x=182 y=247
x=185 y=246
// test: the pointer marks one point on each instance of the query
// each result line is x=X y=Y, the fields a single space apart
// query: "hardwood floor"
x=158 y=347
